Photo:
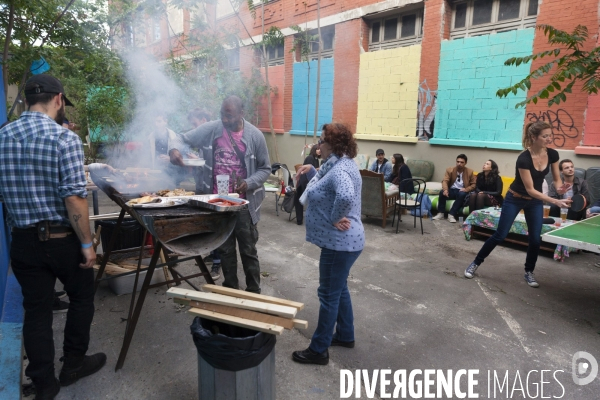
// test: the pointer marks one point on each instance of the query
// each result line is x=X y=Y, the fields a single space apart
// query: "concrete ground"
x=412 y=307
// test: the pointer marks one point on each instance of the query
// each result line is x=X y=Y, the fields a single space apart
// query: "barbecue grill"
x=185 y=230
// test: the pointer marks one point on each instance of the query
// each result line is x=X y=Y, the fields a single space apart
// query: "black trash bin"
x=233 y=362
x=131 y=234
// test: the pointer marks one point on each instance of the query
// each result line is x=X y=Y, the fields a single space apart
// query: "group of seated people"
x=481 y=190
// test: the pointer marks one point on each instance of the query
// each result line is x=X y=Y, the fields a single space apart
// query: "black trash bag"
x=231 y=348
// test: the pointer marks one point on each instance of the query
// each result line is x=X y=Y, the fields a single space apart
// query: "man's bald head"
x=235 y=102
x=232 y=114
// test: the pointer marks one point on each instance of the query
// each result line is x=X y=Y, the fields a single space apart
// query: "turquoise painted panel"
x=471 y=71
x=305 y=76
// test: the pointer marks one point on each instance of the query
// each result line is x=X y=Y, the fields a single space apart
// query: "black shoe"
x=59 y=294
x=335 y=342
x=310 y=357
x=59 y=306
x=214 y=272
x=77 y=367
x=46 y=390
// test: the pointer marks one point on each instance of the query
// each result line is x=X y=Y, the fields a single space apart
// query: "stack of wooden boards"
x=237 y=307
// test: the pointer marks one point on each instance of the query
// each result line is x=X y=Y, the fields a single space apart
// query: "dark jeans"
x=302 y=182
x=246 y=235
x=336 y=305
x=534 y=214
x=453 y=194
x=36 y=266
x=573 y=215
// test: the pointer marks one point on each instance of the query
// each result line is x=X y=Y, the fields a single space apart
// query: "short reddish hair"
x=341 y=139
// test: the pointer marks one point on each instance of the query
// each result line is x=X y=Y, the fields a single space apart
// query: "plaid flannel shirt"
x=41 y=163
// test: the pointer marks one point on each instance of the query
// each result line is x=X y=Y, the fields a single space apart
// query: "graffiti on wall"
x=426 y=111
x=562 y=123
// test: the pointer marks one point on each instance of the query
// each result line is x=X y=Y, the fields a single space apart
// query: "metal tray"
x=202 y=202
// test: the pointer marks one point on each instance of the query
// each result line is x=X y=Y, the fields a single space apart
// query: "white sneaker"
x=451 y=218
x=438 y=216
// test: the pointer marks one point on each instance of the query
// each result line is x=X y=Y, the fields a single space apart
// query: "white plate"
x=164 y=202
x=194 y=162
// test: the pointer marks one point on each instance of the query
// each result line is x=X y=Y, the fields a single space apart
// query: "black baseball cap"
x=379 y=151
x=44 y=83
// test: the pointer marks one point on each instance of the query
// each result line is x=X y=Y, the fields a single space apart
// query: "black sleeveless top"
x=524 y=161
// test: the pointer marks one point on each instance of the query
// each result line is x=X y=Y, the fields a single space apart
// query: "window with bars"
x=328 y=39
x=478 y=17
x=274 y=55
x=233 y=59
x=404 y=29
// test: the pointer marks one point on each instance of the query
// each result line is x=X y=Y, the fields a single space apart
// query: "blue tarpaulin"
x=39 y=66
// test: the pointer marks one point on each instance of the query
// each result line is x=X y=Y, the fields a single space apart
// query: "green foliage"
x=77 y=52
x=571 y=64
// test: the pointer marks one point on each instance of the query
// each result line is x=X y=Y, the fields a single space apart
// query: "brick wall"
x=348 y=41
x=567 y=118
x=304 y=92
x=436 y=26
x=388 y=92
x=276 y=80
x=471 y=71
x=592 y=121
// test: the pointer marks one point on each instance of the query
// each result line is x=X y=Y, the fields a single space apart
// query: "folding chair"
x=405 y=202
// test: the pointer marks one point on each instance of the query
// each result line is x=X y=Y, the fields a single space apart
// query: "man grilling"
x=42 y=184
x=234 y=147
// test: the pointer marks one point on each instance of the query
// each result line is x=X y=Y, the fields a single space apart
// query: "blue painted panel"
x=301 y=96
x=471 y=71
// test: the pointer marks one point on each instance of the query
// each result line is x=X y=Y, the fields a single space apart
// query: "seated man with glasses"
x=457 y=183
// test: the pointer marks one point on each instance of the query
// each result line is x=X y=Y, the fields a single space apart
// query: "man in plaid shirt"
x=42 y=184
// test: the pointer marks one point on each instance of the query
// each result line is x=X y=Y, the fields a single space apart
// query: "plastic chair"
x=405 y=202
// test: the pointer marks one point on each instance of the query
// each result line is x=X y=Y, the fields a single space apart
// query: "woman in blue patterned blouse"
x=333 y=223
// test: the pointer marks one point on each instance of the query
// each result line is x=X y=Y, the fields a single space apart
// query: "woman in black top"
x=400 y=171
x=311 y=159
x=488 y=189
x=525 y=193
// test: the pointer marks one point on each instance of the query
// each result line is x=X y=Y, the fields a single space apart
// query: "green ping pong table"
x=584 y=235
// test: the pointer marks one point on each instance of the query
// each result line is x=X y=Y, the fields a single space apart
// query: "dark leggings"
x=479 y=200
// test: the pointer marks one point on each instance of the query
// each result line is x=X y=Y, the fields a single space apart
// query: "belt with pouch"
x=519 y=196
x=46 y=231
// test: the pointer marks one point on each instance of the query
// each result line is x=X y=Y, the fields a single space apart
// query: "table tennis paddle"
x=578 y=202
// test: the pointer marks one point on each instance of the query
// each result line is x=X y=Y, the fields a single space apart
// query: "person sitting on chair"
x=400 y=172
x=488 y=188
x=382 y=165
x=577 y=186
x=311 y=159
x=458 y=182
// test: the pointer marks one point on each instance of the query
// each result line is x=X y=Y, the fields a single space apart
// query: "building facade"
x=420 y=76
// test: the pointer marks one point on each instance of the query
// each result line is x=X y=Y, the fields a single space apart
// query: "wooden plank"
x=237 y=312
x=242 y=294
x=295 y=323
x=300 y=324
x=215 y=298
x=244 y=323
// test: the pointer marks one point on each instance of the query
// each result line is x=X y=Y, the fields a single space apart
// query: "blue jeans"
x=534 y=214
x=336 y=306
x=594 y=209
x=459 y=199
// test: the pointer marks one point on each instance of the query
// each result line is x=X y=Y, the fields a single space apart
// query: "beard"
x=60 y=115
